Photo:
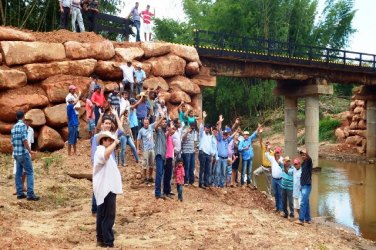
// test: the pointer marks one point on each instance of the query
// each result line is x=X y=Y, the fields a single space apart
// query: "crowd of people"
x=140 y=119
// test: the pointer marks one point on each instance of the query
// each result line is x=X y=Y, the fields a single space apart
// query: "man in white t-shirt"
x=128 y=76
x=124 y=102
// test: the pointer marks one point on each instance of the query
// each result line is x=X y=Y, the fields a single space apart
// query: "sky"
x=364 y=21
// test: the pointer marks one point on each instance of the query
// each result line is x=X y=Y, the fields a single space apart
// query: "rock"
x=103 y=50
x=16 y=52
x=167 y=66
x=11 y=79
x=57 y=86
x=188 y=53
x=205 y=80
x=110 y=86
x=179 y=96
x=41 y=71
x=354 y=125
x=1 y=59
x=37 y=116
x=84 y=133
x=153 y=49
x=145 y=66
x=360 y=103
x=196 y=104
x=340 y=134
x=192 y=68
x=358 y=110
x=346 y=130
x=356 y=117
x=127 y=44
x=173 y=111
x=355 y=140
x=23 y=98
x=64 y=133
x=108 y=70
x=349 y=115
x=363 y=115
x=5 y=143
x=49 y=140
x=5 y=128
x=362 y=125
x=154 y=82
x=128 y=54
x=360 y=150
x=9 y=34
x=56 y=116
x=352 y=105
x=165 y=95
x=184 y=84
x=138 y=176
x=362 y=133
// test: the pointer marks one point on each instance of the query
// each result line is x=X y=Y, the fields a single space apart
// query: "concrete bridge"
x=300 y=71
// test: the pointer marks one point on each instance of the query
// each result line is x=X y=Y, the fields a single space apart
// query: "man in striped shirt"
x=287 y=187
x=146 y=17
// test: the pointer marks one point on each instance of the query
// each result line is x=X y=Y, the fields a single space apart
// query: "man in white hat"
x=140 y=76
x=72 y=94
x=128 y=76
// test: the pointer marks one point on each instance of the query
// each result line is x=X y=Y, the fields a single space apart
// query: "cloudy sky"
x=364 y=21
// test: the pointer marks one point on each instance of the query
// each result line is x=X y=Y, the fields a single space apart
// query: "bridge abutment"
x=371 y=128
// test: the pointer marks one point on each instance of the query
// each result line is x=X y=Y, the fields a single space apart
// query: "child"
x=106 y=185
x=230 y=161
x=179 y=174
x=296 y=190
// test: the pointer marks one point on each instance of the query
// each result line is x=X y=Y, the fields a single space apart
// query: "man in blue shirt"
x=140 y=76
x=72 y=124
x=142 y=110
x=22 y=154
x=245 y=147
x=136 y=20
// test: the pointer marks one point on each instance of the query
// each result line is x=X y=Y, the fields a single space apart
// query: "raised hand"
x=237 y=120
x=221 y=118
x=204 y=115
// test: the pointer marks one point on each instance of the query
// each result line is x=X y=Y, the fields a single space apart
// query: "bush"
x=327 y=127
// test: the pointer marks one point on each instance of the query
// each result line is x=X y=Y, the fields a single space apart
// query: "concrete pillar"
x=371 y=128
x=291 y=111
x=312 y=127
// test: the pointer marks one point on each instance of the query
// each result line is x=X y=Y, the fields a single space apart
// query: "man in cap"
x=128 y=76
x=72 y=94
x=188 y=153
x=142 y=109
x=114 y=100
x=296 y=193
x=22 y=154
x=287 y=186
x=205 y=151
x=277 y=165
x=72 y=124
x=140 y=76
x=265 y=164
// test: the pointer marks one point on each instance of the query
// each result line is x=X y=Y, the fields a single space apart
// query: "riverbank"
x=215 y=219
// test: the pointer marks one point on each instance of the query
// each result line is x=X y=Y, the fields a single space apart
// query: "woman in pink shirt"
x=179 y=175
x=98 y=100
x=168 y=165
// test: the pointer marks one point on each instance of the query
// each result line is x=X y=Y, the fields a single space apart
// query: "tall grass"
x=327 y=127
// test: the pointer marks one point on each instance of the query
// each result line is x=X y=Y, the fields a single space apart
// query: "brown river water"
x=344 y=192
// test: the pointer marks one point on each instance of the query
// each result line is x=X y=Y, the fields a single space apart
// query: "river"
x=345 y=192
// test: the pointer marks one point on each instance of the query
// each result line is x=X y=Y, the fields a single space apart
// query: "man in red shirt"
x=146 y=16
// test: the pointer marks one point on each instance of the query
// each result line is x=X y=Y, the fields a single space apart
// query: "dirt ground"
x=232 y=218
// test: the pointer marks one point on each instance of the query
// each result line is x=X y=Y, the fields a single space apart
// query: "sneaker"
x=162 y=197
x=22 y=196
x=308 y=222
x=171 y=193
x=169 y=196
x=33 y=198
x=201 y=186
x=146 y=181
x=299 y=222
x=151 y=180
x=185 y=184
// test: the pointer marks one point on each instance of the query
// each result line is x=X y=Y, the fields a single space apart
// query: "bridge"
x=301 y=71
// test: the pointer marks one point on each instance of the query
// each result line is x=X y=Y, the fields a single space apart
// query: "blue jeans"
x=137 y=24
x=72 y=135
x=220 y=173
x=276 y=184
x=189 y=167
x=159 y=162
x=124 y=140
x=246 y=168
x=305 y=213
x=94 y=206
x=204 y=168
x=287 y=200
x=180 y=191
x=23 y=162
x=96 y=114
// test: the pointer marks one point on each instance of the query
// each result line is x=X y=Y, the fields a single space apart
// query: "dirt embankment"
x=212 y=219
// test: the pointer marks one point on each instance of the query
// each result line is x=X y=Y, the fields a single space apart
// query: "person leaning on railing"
x=91 y=8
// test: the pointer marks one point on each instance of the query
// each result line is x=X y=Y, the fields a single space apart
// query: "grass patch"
x=52 y=161
x=57 y=195
x=327 y=128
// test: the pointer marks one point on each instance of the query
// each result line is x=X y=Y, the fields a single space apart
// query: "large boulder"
x=64 y=133
x=103 y=50
x=196 y=104
x=37 y=116
x=5 y=128
x=5 y=144
x=18 y=52
x=109 y=70
x=178 y=96
x=144 y=65
x=9 y=34
x=57 y=86
x=110 y=86
x=154 y=82
x=11 y=79
x=205 y=80
x=355 y=140
x=49 y=139
x=173 y=111
x=340 y=134
x=192 y=68
x=128 y=54
x=358 y=110
x=153 y=49
x=164 y=95
x=84 y=133
x=184 y=84
x=186 y=52
x=167 y=66
x=23 y=98
x=41 y=71
x=56 y=116
x=362 y=125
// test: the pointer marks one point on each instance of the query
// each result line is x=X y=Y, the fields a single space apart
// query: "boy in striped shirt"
x=146 y=16
x=287 y=188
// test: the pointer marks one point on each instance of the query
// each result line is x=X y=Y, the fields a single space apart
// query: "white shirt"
x=128 y=73
x=176 y=139
x=78 y=104
x=162 y=112
x=276 y=169
x=124 y=104
x=106 y=176
x=30 y=135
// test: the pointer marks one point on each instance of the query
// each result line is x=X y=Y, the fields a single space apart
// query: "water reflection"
x=346 y=192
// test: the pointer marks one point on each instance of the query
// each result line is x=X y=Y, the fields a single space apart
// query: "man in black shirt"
x=306 y=187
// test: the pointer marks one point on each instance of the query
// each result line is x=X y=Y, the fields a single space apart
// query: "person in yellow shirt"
x=265 y=165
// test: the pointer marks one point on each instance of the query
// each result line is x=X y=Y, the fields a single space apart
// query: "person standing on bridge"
x=91 y=8
x=77 y=15
x=146 y=17
x=65 y=10
x=136 y=20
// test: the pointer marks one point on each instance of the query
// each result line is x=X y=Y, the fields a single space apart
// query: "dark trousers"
x=159 y=162
x=94 y=206
x=287 y=198
x=180 y=191
x=96 y=113
x=137 y=24
x=135 y=133
x=204 y=168
x=167 y=176
x=189 y=167
x=105 y=220
x=64 y=18
x=140 y=122
x=92 y=17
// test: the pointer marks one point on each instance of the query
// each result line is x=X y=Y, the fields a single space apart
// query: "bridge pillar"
x=371 y=128
x=312 y=127
x=291 y=111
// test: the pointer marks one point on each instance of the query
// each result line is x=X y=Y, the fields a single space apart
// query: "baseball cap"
x=227 y=130
x=246 y=133
x=286 y=159
x=278 y=150
x=72 y=87
x=296 y=161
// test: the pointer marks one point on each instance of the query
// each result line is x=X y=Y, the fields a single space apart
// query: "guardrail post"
x=344 y=58
x=360 y=59
x=310 y=54
x=327 y=55
x=374 y=62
